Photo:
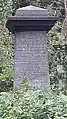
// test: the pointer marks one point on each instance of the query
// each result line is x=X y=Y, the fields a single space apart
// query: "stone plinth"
x=30 y=25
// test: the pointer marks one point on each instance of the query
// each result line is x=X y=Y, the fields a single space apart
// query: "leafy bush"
x=57 y=58
x=6 y=60
x=25 y=103
x=6 y=48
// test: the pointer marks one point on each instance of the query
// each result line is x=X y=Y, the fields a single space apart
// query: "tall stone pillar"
x=30 y=25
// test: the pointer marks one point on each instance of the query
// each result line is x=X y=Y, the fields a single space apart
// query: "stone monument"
x=30 y=25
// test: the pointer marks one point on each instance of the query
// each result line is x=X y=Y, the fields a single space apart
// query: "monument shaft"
x=31 y=58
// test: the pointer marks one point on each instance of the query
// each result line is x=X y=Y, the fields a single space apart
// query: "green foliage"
x=6 y=50
x=6 y=59
x=5 y=10
x=24 y=103
x=59 y=117
x=54 y=34
x=57 y=57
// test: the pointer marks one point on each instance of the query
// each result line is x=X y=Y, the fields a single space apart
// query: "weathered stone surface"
x=32 y=11
x=31 y=58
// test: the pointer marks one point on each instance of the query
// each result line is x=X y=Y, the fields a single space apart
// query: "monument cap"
x=31 y=18
x=32 y=11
